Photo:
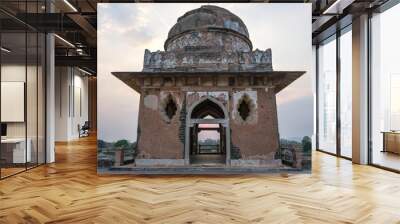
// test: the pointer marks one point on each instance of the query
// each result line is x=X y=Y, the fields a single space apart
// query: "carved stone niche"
x=246 y=109
x=168 y=108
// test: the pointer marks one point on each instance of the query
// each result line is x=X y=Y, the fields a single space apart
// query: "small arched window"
x=170 y=107
x=244 y=110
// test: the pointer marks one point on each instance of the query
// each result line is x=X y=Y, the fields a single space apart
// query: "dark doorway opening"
x=208 y=135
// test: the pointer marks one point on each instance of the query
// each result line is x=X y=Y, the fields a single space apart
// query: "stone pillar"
x=228 y=142
x=187 y=141
x=119 y=157
x=360 y=90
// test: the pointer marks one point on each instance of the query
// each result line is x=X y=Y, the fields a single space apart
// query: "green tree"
x=306 y=143
x=101 y=144
x=122 y=144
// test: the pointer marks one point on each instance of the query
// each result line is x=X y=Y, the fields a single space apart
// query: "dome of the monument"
x=209 y=27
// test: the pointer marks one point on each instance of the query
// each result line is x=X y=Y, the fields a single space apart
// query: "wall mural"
x=207 y=105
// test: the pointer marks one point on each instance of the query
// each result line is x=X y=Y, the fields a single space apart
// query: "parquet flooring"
x=11 y=170
x=70 y=191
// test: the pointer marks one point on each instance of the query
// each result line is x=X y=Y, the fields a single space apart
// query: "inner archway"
x=207 y=108
x=207 y=133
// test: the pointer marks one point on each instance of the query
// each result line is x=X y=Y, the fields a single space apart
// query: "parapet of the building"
x=197 y=59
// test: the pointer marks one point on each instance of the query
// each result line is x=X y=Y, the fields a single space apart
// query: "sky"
x=125 y=30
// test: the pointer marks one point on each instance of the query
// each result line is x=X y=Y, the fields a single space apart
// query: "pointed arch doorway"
x=207 y=134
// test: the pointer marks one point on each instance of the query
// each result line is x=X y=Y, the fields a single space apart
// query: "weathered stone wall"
x=159 y=136
x=195 y=96
x=256 y=138
x=208 y=17
x=207 y=61
x=216 y=40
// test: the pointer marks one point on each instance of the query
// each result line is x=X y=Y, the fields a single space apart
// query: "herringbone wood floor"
x=70 y=191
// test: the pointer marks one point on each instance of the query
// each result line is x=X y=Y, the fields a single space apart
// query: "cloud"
x=296 y=117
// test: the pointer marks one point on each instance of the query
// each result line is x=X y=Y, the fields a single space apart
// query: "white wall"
x=62 y=81
x=33 y=126
x=71 y=94
x=79 y=117
x=16 y=73
x=13 y=100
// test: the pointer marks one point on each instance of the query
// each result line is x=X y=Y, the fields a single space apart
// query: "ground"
x=70 y=191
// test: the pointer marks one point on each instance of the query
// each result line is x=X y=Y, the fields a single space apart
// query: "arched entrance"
x=207 y=135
